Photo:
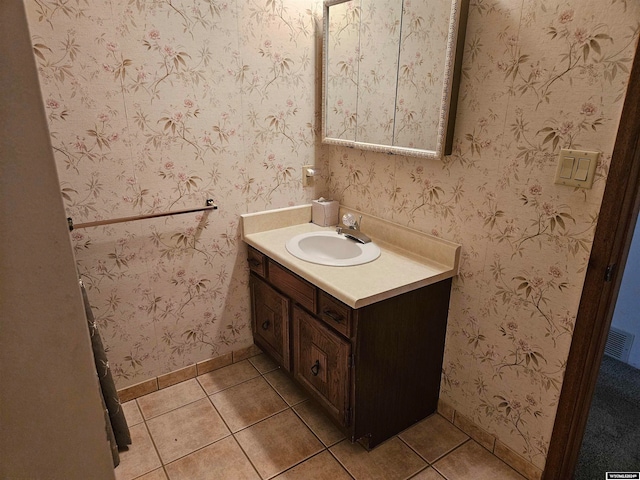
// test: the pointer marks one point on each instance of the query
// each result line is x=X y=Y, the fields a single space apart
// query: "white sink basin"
x=331 y=248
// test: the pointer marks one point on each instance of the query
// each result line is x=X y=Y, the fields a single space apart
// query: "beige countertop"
x=409 y=259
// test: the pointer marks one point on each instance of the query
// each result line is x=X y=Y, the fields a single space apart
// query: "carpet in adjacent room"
x=612 y=437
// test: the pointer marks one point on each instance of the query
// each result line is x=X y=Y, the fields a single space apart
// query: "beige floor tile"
x=132 y=413
x=321 y=467
x=226 y=377
x=473 y=461
x=433 y=437
x=140 y=458
x=263 y=363
x=247 y=403
x=390 y=460
x=170 y=398
x=155 y=475
x=319 y=423
x=283 y=384
x=222 y=460
x=278 y=443
x=186 y=429
x=428 y=474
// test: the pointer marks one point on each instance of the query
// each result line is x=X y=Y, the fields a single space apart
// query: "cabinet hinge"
x=350 y=361
x=347 y=416
x=608 y=273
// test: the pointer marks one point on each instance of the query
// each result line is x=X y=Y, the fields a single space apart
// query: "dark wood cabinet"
x=376 y=370
x=270 y=314
x=321 y=362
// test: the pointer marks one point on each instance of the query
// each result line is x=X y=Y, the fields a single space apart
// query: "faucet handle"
x=350 y=221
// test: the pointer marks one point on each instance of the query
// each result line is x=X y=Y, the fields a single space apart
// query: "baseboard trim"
x=185 y=373
x=490 y=442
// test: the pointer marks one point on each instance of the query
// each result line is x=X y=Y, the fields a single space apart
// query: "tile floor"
x=250 y=421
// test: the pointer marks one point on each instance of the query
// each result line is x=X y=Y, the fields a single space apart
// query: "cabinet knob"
x=315 y=368
x=265 y=325
x=253 y=262
x=332 y=315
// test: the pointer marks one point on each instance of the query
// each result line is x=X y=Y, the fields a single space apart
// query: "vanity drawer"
x=295 y=287
x=335 y=314
x=257 y=262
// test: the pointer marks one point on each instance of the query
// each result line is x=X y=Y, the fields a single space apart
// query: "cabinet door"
x=321 y=364
x=270 y=320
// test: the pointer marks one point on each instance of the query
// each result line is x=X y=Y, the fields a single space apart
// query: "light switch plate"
x=576 y=168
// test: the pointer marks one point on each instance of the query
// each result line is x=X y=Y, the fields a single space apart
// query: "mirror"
x=391 y=74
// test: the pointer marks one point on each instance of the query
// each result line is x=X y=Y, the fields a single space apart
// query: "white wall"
x=50 y=413
x=627 y=313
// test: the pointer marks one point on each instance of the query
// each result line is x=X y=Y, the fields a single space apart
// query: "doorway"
x=612 y=433
x=612 y=240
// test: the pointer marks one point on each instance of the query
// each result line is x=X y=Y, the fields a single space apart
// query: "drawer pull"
x=315 y=368
x=265 y=325
x=253 y=262
x=333 y=315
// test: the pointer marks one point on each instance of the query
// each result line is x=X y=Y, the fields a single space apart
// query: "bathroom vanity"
x=366 y=342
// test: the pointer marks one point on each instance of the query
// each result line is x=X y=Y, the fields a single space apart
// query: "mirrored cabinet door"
x=391 y=73
x=421 y=80
x=341 y=71
x=380 y=24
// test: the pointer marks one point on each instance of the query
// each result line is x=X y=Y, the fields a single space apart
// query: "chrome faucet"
x=353 y=228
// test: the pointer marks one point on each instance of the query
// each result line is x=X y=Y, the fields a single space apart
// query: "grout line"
x=287 y=407
x=309 y=426
x=155 y=379
x=276 y=366
x=441 y=456
x=230 y=387
x=262 y=420
x=219 y=414
x=344 y=467
x=172 y=410
x=453 y=450
x=248 y=360
x=196 y=450
x=413 y=450
x=246 y=455
x=155 y=447
x=426 y=467
x=276 y=390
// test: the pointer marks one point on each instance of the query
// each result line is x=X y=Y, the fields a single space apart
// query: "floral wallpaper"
x=538 y=76
x=158 y=104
